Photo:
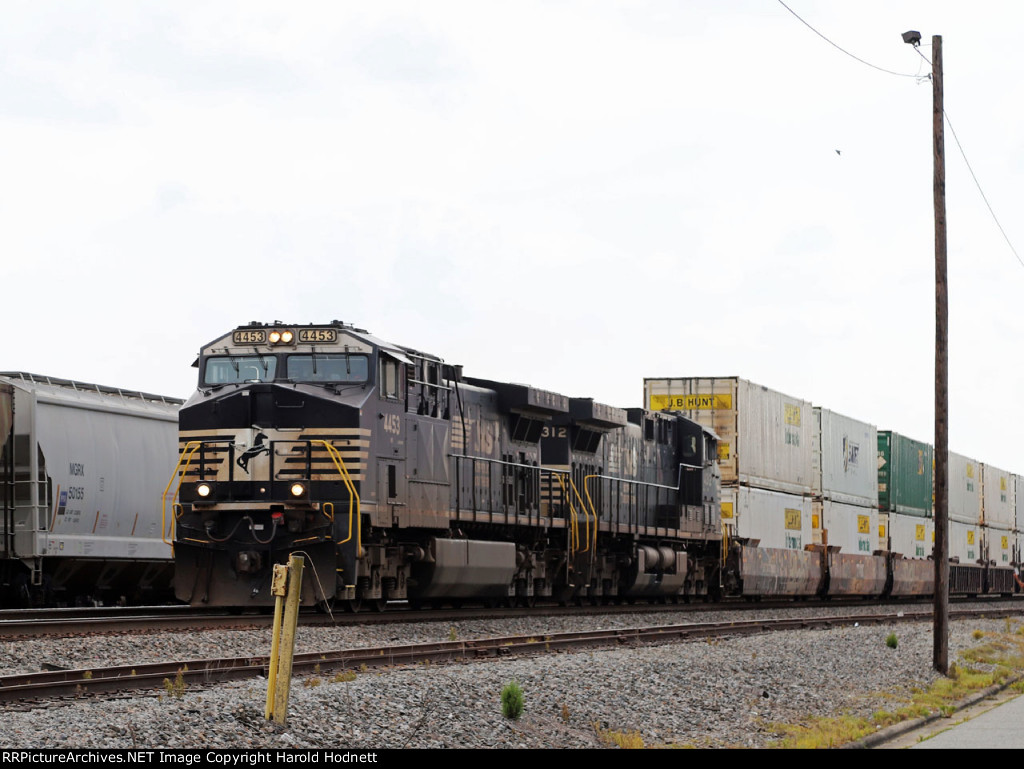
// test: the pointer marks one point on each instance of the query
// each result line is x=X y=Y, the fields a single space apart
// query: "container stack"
x=765 y=451
x=905 y=495
x=964 y=509
x=1018 y=526
x=998 y=515
x=845 y=485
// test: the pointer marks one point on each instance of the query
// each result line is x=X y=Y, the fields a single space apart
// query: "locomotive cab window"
x=328 y=367
x=239 y=368
x=388 y=378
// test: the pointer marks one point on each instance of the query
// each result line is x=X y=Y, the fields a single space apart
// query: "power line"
x=977 y=184
x=945 y=116
x=834 y=45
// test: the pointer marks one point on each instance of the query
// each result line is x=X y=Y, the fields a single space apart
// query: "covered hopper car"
x=80 y=467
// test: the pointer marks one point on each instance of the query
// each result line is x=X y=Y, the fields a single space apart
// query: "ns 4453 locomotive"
x=400 y=479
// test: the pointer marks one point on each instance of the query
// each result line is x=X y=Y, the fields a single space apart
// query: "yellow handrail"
x=586 y=490
x=167 y=533
x=725 y=542
x=574 y=536
x=586 y=516
x=353 y=499
x=574 y=531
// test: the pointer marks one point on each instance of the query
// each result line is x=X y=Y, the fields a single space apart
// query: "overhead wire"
x=840 y=48
x=945 y=116
x=977 y=184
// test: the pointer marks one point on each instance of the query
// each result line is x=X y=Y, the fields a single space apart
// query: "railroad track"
x=96 y=621
x=165 y=676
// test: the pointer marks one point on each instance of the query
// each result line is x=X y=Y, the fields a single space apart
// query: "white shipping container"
x=911 y=535
x=999 y=545
x=964 y=541
x=964 y=489
x=852 y=528
x=1018 y=502
x=778 y=520
x=997 y=494
x=765 y=437
x=845 y=459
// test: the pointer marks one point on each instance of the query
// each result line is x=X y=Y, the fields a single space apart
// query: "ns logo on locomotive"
x=399 y=479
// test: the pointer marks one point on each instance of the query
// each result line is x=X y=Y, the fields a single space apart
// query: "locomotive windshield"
x=239 y=368
x=322 y=367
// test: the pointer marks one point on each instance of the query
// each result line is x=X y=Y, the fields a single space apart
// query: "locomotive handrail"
x=353 y=498
x=572 y=485
x=586 y=490
x=166 y=532
x=574 y=533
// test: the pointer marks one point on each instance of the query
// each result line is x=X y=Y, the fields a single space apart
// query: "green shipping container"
x=904 y=475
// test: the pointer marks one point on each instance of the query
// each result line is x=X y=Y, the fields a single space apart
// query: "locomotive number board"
x=249 y=336
x=318 y=335
x=306 y=335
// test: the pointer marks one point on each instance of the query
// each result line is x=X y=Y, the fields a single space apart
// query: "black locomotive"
x=400 y=479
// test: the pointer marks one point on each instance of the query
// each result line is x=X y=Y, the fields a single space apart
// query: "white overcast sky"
x=570 y=194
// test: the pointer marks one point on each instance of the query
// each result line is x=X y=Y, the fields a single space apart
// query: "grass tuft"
x=628 y=740
x=512 y=700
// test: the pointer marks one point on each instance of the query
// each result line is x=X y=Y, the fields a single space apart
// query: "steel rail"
x=166 y=676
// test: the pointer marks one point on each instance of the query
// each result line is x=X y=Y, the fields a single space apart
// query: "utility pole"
x=940 y=660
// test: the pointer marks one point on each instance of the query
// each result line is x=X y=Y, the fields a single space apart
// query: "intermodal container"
x=844 y=458
x=765 y=437
x=964 y=489
x=911 y=535
x=775 y=519
x=853 y=528
x=998 y=503
x=999 y=544
x=965 y=541
x=904 y=475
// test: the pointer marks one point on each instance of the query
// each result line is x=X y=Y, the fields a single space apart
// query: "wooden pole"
x=282 y=686
x=278 y=587
x=941 y=512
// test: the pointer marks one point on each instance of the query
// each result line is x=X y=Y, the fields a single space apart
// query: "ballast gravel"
x=725 y=692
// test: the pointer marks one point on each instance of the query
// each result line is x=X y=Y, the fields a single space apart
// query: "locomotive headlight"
x=287 y=337
x=275 y=337
x=204 y=489
x=298 y=489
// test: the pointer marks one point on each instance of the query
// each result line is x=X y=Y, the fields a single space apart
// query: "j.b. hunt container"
x=773 y=518
x=765 y=437
x=853 y=528
x=964 y=490
x=998 y=501
x=999 y=545
x=912 y=536
x=965 y=541
x=904 y=475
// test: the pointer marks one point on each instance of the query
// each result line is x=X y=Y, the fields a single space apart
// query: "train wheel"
x=379 y=604
x=354 y=605
x=527 y=601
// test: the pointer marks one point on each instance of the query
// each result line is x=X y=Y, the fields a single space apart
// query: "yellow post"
x=287 y=651
x=277 y=588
